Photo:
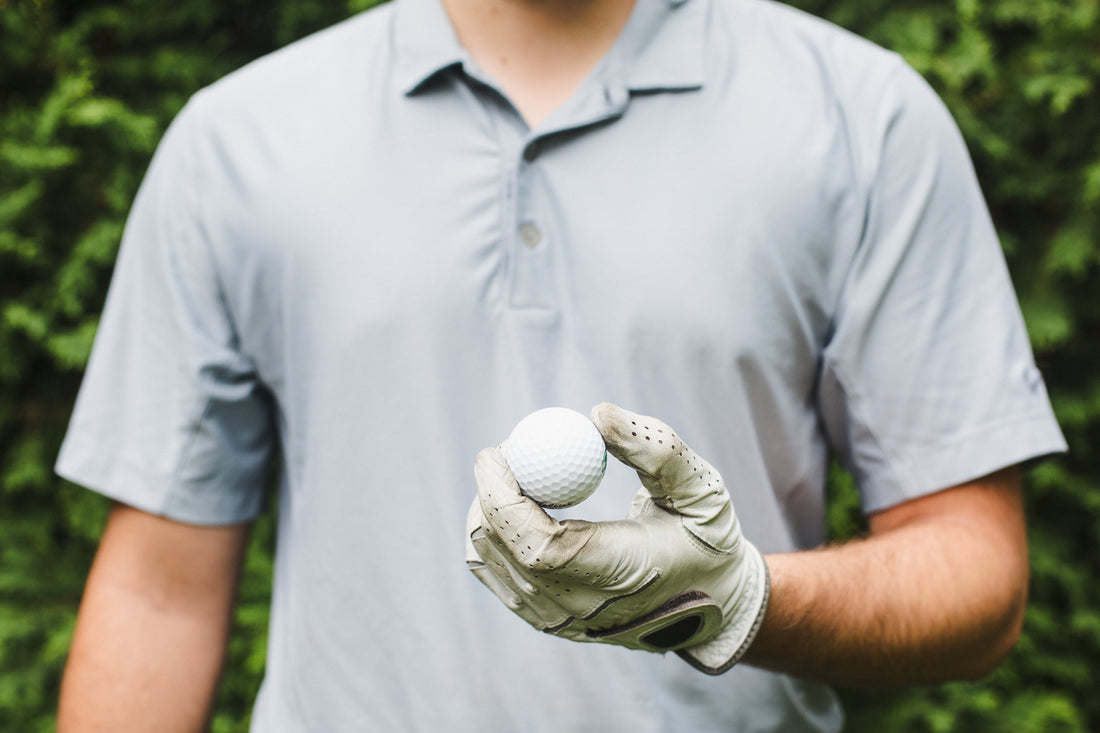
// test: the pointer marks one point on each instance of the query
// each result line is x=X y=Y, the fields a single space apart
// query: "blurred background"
x=87 y=88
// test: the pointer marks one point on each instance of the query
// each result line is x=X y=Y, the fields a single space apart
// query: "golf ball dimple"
x=557 y=455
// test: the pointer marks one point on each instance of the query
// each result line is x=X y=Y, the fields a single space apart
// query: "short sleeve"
x=928 y=379
x=171 y=417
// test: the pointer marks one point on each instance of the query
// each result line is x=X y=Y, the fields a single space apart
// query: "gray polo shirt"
x=351 y=263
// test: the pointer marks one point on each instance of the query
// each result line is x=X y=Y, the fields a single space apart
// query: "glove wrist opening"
x=712 y=657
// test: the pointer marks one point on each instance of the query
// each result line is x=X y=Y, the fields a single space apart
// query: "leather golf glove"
x=675 y=575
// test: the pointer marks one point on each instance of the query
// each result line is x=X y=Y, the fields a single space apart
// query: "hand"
x=676 y=574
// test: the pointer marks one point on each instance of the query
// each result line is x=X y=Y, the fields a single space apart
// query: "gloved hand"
x=676 y=574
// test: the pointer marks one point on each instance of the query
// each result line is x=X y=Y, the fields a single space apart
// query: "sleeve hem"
x=965 y=459
x=110 y=475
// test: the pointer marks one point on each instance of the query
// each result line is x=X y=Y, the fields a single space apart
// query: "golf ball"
x=557 y=455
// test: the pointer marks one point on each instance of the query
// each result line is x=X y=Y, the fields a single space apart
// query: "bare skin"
x=936 y=592
x=538 y=51
x=151 y=634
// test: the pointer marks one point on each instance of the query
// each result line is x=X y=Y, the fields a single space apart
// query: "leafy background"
x=87 y=88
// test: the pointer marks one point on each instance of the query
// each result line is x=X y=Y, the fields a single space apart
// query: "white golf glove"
x=676 y=574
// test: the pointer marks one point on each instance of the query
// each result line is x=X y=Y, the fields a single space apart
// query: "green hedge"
x=86 y=89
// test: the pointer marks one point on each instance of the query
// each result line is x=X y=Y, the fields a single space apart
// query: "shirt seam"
x=865 y=181
x=858 y=412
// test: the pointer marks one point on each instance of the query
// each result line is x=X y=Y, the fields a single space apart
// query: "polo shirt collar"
x=425 y=42
x=661 y=46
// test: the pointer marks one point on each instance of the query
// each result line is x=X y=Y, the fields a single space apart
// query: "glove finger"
x=523 y=527
x=482 y=554
x=481 y=563
x=527 y=600
x=497 y=574
x=474 y=521
x=501 y=589
x=675 y=476
x=600 y=553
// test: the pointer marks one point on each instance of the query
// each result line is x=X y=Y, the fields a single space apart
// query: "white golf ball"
x=557 y=455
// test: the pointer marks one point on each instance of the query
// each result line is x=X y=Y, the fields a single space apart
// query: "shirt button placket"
x=531 y=259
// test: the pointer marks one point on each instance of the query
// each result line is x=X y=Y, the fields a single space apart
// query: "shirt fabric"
x=352 y=265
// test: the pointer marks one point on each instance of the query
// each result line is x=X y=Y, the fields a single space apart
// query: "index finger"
x=523 y=526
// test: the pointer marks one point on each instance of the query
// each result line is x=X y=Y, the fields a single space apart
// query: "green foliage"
x=86 y=90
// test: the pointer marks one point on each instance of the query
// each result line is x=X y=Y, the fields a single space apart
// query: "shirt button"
x=530 y=235
x=531 y=151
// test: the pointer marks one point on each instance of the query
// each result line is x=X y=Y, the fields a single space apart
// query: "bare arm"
x=151 y=633
x=936 y=592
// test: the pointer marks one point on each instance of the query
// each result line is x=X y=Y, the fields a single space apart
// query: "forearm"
x=144 y=655
x=936 y=599
x=134 y=666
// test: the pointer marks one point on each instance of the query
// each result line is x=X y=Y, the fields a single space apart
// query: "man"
x=379 y=248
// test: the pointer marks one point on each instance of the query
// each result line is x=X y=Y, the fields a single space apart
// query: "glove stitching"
x=560 y=627
x=653 y=578
x=704 y=547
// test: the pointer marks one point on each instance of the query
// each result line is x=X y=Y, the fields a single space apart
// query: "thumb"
x=675 y=476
